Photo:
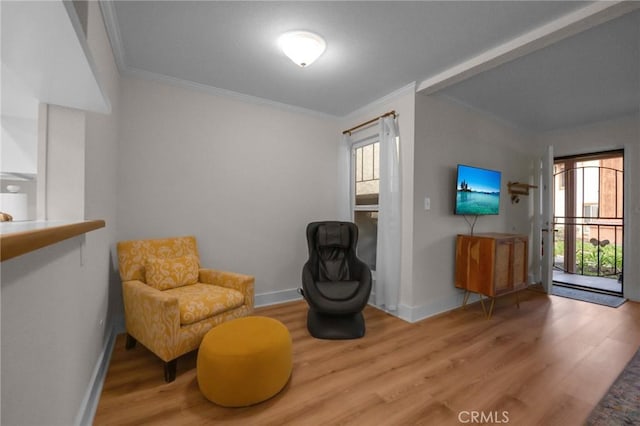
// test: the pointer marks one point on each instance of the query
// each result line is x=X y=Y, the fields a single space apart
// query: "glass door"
x=588 y=219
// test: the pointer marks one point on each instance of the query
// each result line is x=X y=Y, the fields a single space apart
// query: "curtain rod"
x=348 y=131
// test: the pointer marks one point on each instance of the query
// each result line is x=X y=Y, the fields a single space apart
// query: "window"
x=560 y=174
x=366 y=190
x=590 y=210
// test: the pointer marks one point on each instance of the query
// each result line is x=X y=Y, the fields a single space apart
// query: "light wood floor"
x=547 y=363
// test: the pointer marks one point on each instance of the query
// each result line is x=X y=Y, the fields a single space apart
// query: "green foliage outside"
x=610 y=258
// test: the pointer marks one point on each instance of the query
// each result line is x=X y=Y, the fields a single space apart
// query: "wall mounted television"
x=477 y=191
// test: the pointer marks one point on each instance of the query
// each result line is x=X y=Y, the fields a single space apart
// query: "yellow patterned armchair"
x=170 y=303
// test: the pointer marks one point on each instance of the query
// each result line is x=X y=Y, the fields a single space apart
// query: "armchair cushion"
x=132 y=254
x=201 y=301
x=164 y=274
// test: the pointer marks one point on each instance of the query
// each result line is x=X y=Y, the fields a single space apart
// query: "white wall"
x=27 y=187
x=18 y=125
x=46 y=358
x=65 y=140
x=19 y=144
x=55 y=300
x=623 y=132
x=244 y=178
x=403 y=102
x=101 y=177
x=448 y=134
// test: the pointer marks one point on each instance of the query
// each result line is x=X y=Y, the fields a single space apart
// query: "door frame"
x=543 y=213
x=570 y=162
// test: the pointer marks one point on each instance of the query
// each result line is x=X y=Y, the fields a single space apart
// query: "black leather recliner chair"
x=336 y=284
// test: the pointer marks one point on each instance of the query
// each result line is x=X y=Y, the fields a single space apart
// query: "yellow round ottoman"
x=244 y=361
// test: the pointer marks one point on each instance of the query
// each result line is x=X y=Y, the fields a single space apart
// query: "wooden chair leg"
x=170 y=370
x=131 y=342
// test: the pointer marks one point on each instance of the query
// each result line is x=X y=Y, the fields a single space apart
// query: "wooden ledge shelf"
x=18 y=238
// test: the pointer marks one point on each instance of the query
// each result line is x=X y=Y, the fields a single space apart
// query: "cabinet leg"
x=487 y=313
x=493 y=302
x=484 y=310
x=466 y=299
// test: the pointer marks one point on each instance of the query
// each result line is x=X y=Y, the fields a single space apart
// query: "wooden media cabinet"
x=491 y=264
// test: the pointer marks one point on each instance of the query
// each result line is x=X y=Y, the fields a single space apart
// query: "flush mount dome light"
x=302 y=47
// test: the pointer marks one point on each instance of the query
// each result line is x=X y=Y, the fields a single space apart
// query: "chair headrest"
x=333 y=235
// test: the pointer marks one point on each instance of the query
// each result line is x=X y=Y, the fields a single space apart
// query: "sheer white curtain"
x=388 y=248
x=344 y=179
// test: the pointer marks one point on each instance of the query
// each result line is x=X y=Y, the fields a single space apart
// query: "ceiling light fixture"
x=302 y=47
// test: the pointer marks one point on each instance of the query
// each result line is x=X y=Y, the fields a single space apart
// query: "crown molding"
x=115 y=37
x=215 y=91
x=380 y=102
x=113 y=31
x=489 y=115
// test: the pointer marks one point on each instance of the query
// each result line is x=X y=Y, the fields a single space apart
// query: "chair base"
x=335 y=327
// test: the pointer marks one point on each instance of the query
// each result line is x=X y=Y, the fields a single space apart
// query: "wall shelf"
x=18 y=238
x=516 y=189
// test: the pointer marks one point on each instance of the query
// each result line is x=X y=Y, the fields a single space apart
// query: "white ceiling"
x=373 y=48
x=589 y=77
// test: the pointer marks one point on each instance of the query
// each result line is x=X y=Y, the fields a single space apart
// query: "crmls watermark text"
x=493 y=417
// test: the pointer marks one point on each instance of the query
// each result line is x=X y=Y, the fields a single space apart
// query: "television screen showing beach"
x=478 y=191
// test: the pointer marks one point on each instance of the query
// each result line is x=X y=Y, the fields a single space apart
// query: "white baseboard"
x=418 y=313
x=404 y=312
x=275 y=297
x=91 y=399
